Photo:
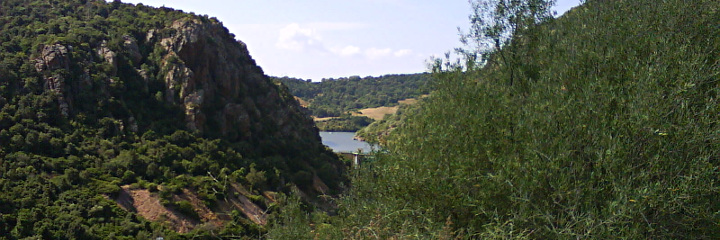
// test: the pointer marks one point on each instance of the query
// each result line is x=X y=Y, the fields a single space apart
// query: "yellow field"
x=317 y=119
x=380 y=112
x=376 y=113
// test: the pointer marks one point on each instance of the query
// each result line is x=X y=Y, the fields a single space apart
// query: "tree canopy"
x=335 y=97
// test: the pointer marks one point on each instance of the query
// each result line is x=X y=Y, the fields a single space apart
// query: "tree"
x=495 y=25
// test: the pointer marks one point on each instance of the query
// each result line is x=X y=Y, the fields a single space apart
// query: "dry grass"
x=412 y=100
x=380 y=112
x=376 y=113
x=302 y=102
x=317 y=119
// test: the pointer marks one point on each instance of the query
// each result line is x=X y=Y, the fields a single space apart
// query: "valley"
x=127 y=121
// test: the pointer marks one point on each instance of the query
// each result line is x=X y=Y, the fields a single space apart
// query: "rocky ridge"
x=204 y=66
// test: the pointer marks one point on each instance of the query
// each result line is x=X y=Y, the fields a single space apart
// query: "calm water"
x=343 y=142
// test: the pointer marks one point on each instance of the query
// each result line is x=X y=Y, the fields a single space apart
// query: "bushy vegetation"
x=601 y=124
x=336 y=97
x=60 y=167
x=344 y=123
x=377 y=131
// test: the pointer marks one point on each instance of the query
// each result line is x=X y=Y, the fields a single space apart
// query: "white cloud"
x=349 y=50
x=300 y=38
x=336 y=26
x=294 y=37
x=402 y=52
x=371 y=53
x=377 y=52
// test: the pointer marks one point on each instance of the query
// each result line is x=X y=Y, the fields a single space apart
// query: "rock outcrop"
x=218 y=84
x=131 y=46
x=108 y=55
x=55 y=57
x=205 y=71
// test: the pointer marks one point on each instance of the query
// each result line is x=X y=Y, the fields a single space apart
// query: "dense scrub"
x=605 y=127
x=377 y=131
x=344 y=123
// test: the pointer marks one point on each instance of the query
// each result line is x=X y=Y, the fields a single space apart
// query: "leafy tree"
x=495 y=24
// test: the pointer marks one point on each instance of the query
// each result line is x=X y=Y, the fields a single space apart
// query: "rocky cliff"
x=205 y=72
x=221 y=89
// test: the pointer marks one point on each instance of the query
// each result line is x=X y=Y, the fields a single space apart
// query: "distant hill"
x=105 y=105
x=335 y=97
x=336 y=102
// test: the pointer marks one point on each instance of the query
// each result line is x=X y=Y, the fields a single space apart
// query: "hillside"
x=378 y=131
x=600 y=124
x=335 y=97
x=336 y=104
x=103 y=101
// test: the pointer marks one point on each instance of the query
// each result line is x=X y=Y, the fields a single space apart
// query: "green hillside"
x=600 y=124
x=335 y=97
x=107 y=106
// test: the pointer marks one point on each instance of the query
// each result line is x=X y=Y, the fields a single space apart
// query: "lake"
x=343 y=142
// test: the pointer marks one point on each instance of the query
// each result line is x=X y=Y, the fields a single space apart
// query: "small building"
x=356 y=158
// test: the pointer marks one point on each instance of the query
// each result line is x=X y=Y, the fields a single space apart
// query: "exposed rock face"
x=109 y=56
x=52 y=58
x=206 y=72
x=221 y=88
x=131 y=46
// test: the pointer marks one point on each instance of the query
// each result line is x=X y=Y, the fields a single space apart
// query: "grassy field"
x=379 y=113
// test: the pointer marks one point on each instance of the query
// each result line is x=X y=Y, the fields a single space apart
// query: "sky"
x=316 y=39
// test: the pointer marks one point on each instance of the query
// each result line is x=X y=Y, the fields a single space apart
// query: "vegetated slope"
x=96 y=95
x=378 y=131
x=335 y=103
x=335 y=97
x=610 y=130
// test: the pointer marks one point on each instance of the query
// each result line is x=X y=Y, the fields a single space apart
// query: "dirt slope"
x=147 y=204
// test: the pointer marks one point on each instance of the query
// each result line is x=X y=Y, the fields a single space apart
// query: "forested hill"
x=107 y=106
x=600 y=124
x=335 y=97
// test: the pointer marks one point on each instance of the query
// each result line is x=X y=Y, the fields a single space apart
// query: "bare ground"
x=302 y=102
x=147 y=205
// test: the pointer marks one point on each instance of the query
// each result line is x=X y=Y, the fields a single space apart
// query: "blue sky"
x=315 y=39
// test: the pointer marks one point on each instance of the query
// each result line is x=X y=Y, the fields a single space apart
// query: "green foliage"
x=344 y=124
x=604 y=127
x=377 y=131
x=336 y=97
x=63 y=151
x=187 y=209
x=256 y=178
x=293 y=223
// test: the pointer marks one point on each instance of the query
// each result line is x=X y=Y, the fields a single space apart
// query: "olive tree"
x=495 y=24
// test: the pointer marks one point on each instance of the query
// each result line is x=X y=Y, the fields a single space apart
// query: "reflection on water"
x=343 y=142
